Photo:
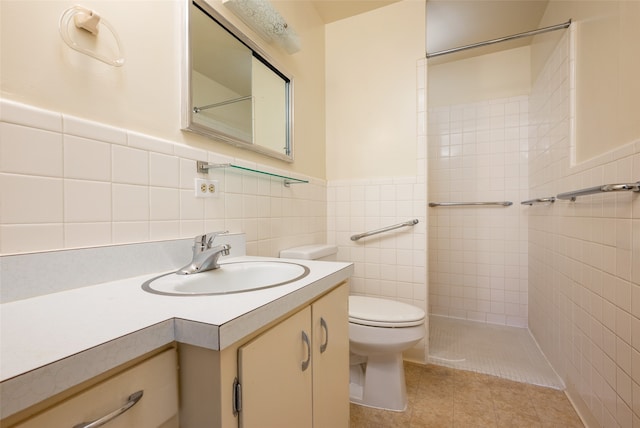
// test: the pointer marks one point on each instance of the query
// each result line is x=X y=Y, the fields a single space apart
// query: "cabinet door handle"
x=305 y=339
x=323 y=325
x=131 y=401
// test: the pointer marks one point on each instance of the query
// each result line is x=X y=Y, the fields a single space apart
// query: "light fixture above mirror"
x=264 y=19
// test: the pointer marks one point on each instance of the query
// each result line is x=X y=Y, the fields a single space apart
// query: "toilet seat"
x=376 y=312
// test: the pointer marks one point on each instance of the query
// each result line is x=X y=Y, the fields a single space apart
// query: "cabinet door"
x=276 y=384
x=331 y=360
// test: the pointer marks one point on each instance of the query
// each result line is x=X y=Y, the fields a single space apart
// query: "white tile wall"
x=19 y=158
x=86 y=159
x=478 y=256
x=392 y=264
x=70 y=183
x=584 y=272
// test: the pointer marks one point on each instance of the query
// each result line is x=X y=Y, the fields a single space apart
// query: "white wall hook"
x=90 y=21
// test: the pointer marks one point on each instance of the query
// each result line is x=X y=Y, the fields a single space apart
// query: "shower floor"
x=506 y=352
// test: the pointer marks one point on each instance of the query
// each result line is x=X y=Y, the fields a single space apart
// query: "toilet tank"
x=311 y=252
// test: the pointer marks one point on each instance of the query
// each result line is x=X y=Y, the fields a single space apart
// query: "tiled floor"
x=445 y=397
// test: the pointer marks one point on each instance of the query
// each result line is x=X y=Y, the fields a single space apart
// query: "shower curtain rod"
x=501 y=39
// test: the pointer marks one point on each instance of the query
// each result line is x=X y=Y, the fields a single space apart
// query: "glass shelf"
x=203 y=167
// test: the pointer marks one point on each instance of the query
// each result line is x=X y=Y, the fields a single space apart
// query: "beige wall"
x=371 y=92
x=497 y=75
x=144 y=95
x=376 y=151
x=607 y=70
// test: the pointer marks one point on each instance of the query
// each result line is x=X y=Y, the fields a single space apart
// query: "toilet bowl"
x=379 y=331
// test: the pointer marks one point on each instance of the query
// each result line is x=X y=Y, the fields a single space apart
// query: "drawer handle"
x=323 y=324
x=131 y=401
x=305 y=339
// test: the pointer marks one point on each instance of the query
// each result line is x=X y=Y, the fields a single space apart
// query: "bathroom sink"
x=233 y=277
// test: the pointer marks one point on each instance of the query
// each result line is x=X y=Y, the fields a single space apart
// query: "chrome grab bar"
x=222 y=103
x=461 y=204
x=634 y=187
x=530 y=202
x=385 y=229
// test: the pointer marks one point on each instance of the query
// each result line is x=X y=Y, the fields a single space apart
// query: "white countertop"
x=88 y=330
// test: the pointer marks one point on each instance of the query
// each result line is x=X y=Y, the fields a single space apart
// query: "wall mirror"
x=233 y=92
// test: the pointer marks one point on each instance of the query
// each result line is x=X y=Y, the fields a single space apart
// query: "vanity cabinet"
x=292 y=373
x=296 y=374
x=156 y=377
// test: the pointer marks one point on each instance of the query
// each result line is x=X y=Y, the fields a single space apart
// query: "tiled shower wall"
x=70 y=183
x=478 y=255
x=584 y=268
x=392 y=264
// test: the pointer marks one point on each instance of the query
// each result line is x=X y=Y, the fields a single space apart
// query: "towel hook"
x=88 y=20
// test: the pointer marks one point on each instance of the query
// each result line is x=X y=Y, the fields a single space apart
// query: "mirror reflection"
x=235 y=94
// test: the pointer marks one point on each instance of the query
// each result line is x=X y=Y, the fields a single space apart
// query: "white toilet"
x=379 y=331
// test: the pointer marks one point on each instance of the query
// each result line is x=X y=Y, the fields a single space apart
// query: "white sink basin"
x=234 y=277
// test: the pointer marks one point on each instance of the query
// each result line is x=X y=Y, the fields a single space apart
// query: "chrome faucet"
x=205 y=257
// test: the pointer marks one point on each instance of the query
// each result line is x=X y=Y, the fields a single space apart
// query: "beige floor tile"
x=516 y=419
x=441 y=397
x=431 y=418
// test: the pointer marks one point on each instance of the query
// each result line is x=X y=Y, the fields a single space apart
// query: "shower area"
x=445 y=130
x=478 y=246
x=481 y=125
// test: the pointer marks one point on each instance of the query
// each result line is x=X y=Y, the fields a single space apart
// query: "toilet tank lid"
x=309 y=252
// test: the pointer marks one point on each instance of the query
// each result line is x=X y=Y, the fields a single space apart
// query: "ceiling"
x=453 y=23
x=335 y=10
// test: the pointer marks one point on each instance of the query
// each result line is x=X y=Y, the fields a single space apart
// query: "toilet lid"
x=383 y=312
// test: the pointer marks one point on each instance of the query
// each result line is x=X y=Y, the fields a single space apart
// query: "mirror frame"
x=188 y=123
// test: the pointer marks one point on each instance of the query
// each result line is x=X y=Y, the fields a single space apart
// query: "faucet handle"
x=219 y=232
x=204 y=242
x=208 y=238
x=212 y=235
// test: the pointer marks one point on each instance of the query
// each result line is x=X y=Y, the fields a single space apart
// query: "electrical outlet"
x=206 y=188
